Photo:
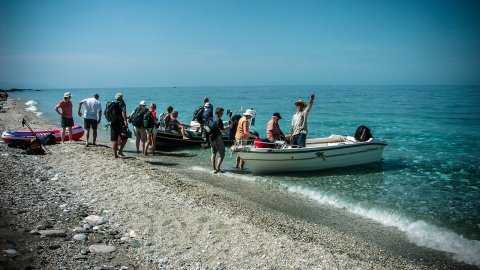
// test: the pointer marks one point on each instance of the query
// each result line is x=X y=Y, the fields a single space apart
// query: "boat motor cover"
x=259 y=143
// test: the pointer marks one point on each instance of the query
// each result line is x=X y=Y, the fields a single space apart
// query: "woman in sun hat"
x=67 y=116
x=243 y=134
x=299 y=122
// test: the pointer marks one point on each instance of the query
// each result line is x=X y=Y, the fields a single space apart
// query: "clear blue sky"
x=105 y=43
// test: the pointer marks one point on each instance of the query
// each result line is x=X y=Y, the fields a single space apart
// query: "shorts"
x=116 y=131
x=93 y=123
x=141 y=133
x=218 y=146
x=67 y=122
x=152 y=131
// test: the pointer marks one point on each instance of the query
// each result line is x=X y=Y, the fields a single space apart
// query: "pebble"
x=80 y=230
x=80 y=237
x=95 y=220
x=53 y=233
x=80 y=257
x=10 y=252
x=101 y=249
x=34 y=232
x=44 y=224
x=87 y=226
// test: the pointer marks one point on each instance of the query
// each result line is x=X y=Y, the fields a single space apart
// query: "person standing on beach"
x=67 y=115
x=274 y=133
x=118 y=125
x=92 y=116
x=151 y=131
x=137 y=121
x=216 y=141
x=243 y=134
x=299 y=122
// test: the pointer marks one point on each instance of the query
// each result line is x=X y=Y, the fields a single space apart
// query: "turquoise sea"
x=427 y=187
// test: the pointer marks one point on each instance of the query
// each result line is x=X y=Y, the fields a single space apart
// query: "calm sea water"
x=427 y=186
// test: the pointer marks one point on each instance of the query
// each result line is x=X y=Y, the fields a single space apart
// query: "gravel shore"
x=80 y=208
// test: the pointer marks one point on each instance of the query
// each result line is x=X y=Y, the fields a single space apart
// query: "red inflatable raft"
x=10 y=135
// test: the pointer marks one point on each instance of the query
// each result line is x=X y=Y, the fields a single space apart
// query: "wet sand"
x=158 y=217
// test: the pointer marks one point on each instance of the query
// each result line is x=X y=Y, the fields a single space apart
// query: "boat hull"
x=8 y=136
x=173 y=139
x=333 y=155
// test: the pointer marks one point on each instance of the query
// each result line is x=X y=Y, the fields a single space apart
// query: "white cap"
x=143 y=103
x=67 y=94
x=249 y=112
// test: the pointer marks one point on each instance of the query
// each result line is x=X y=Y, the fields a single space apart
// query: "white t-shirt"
x=92 y=107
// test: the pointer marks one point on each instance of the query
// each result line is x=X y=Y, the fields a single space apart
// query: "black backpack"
x=138 y=117
x=363 y=134
x=198 y=115
x=110 y=111
x=234 y=122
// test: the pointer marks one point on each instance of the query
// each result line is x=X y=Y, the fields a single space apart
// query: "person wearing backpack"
x=216 y=141
x=118 y=125
x=137 y=121
x=150 y=124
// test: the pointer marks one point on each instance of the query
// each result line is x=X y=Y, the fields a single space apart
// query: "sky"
x=118 y=43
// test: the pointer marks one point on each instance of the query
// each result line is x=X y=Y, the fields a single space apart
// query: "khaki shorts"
x=218 y=146
x=140 y=132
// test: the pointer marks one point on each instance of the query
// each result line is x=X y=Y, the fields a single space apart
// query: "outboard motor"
x=363 y=134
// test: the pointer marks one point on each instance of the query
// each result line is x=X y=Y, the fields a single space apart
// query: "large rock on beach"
x=101 y=249
x=53 y=233
x=95 y=220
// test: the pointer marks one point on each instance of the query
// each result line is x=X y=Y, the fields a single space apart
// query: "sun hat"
x=118 y=96
x=248 y=112
x=67 y=94
x=300 y=101
x=143 y=103
x=277 y=115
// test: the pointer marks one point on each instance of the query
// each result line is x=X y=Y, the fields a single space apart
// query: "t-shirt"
x=66 y=107
x=299 y=123
x=216 y=126
x=92 y=107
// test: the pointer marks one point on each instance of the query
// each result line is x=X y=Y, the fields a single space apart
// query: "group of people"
x=145 y=133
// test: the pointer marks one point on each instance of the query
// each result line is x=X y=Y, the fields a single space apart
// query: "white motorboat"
x=320 y=153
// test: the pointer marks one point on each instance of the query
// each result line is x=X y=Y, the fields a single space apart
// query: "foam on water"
x=230 y=175
x=419 y=232
x=32 y=108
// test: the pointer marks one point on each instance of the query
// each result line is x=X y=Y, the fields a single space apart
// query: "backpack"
x=198 y=115
x=138 y=117
x=363 y=134
x=49 y=139
x=148 y=121
x=234 y=122
x=110 y=111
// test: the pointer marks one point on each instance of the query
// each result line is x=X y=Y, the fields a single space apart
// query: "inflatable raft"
x=11 y=135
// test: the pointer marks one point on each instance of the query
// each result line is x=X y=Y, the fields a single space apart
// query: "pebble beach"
x=78 y=207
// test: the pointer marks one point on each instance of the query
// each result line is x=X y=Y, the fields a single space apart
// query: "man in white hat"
x=67 y=115
x=137 y=121
x=299 y=122
x=243 y=134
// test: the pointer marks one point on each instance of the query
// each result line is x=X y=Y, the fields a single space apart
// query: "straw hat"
x=300 y=102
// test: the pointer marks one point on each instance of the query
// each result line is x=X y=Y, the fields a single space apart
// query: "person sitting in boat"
x=274 y=133
x=208 y=107
x=167 y=120
x=177 y=126
x=243 y=134
x=299 y=122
